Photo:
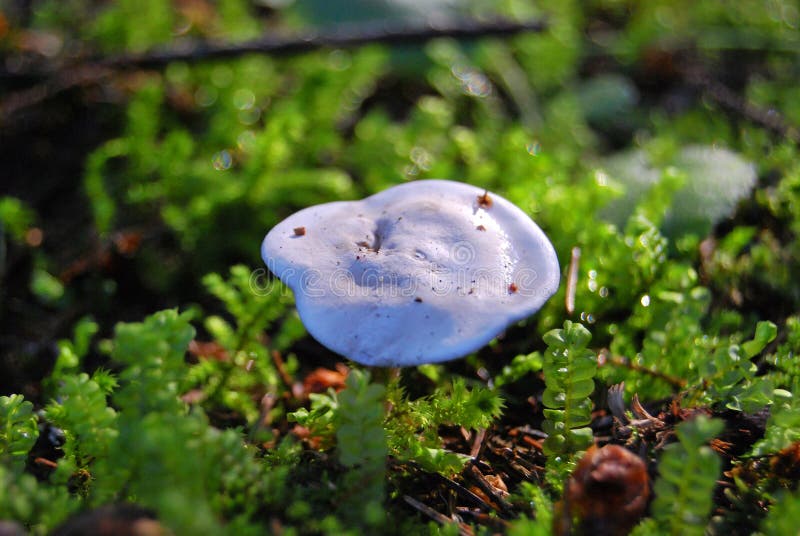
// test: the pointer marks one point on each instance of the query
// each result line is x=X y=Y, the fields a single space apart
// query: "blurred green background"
x=126 y=192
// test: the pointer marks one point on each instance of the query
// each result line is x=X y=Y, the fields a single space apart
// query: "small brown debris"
x=487 y=490
x=193 y=396
x=608 y=492
x=484 y=201
x=512 y=288
x=294 y=387
x=538 y=444
x=786 y=464
x=321 y=379
x=3 y=25
x=498 y=484
x=463 y=529
x=206 y=350
x=480 y=228
x=101 y=257
x=44 y=461
x=127 y=242
x=299 y=231
x=418 y=299
x=34 y=237
x=304 y=434
x=721 y=447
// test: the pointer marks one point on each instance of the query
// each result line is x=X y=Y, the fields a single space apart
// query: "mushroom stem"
x=384 y=375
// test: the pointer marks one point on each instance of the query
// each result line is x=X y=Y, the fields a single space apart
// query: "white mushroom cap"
x=420 y=273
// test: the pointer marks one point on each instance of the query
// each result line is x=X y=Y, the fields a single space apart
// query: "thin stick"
x=463 y=530
x=726 y=98
x=464 y=493
x=678 y=383
x=477 y=444
x=280 y=366
x=60 y=82
x=572 y=280
x=343 y=36
x=487 y=488
x=94 y=70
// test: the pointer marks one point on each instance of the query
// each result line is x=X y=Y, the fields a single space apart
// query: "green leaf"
x=784 y=516
x=765 y=333
x=46 y=286
x=782 y=430
x=18 y=430
x=15 y=218
x=569 y=369
x=688 y=474
x=361 y=445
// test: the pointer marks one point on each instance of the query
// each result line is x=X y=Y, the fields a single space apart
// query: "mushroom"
x=406 y=277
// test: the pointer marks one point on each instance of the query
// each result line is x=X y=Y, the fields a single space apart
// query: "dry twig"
x=95 y=70
x=727 y=99
x=463 y=529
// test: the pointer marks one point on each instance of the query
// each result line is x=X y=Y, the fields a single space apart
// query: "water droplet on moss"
x=222 y=160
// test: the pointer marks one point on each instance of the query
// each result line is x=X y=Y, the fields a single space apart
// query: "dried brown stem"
x=344 y=36
x=504 y=506
x=678 y=383
x=463 y=530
